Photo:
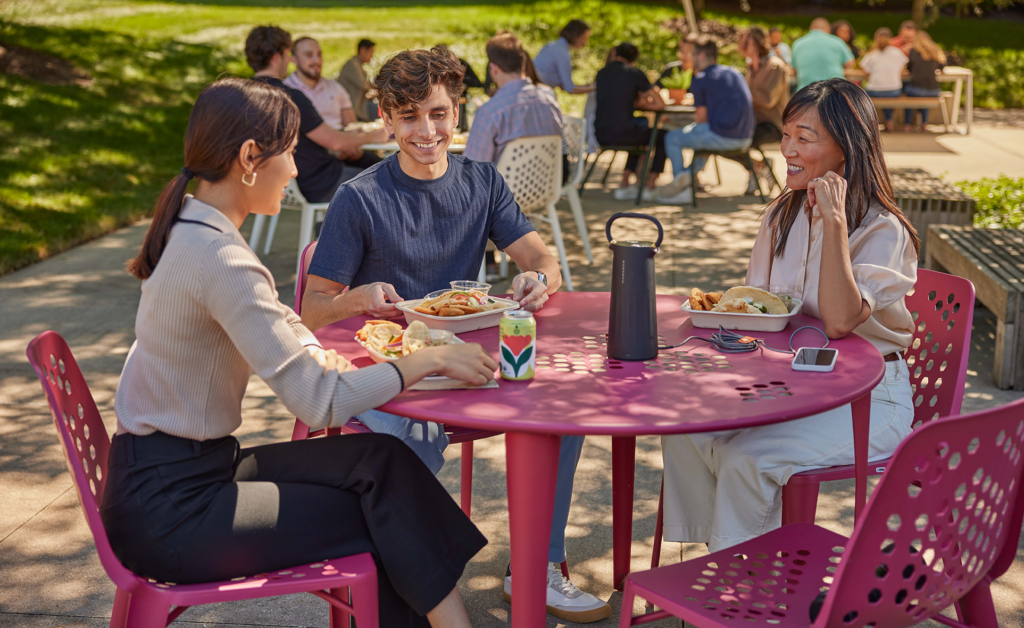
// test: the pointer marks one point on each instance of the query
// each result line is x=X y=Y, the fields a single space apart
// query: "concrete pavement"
x=50 y=575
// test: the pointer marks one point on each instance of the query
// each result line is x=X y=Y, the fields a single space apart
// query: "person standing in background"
x=844 y=30
x=926 y=59
x=820 y=55
x=780 y=48
x=554 y=61
x=768 y=80
x=884 y=65
x=353 y=78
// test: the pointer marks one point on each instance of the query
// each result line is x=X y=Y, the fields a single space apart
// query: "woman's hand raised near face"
x=828 y=194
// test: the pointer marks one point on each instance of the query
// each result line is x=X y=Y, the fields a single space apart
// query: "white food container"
x=378 y=357
x=735 y=321
x=457 y=324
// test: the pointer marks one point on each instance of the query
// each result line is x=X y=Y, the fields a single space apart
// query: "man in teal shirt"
x=820 y=55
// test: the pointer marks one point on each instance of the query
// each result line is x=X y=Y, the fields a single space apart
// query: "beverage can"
x=517 y=344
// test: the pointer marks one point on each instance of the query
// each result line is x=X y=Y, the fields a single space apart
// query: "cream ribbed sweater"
x=209 y=317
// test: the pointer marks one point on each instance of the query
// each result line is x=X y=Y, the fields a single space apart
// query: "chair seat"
x=773 y=579
x=325 y=575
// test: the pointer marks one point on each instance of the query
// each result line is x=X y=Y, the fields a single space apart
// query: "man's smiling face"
x=424 y=130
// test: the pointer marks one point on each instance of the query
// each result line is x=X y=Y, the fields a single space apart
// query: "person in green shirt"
x=820 y=55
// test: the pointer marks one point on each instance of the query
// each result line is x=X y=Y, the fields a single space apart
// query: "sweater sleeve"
x=238 y=291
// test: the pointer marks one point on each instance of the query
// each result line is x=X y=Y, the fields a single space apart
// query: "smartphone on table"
x=812 y=359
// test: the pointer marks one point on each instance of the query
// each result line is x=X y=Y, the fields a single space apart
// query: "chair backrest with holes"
x=300 y=281
x=532 y=168
x=574 y=132
x=83 y=435
x=952 y=493
x=943 y=309
x=293 y=198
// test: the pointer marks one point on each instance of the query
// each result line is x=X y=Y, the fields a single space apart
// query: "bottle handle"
x=608 y=226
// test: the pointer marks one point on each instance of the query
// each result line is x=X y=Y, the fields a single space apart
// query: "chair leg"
x=771 y=171
x=466 y=482
x=590 y=170
x=338 y=617
x=257 y=230
x=564 y=567
x=147 y=611
x=556 y=231
x=119 y=614
x=659 y=527
x=799 y=503
x=581 y=222
x=628 y=596
x=270 y=233
x=976 y=607
x=750 y=167
x=306 y=225
x=300 y=431
x=608 y=171
x=718 y=170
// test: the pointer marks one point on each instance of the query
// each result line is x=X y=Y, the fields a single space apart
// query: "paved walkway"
x=49 y=572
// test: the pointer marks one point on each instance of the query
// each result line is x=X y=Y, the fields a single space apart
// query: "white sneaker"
x=678 y=184
x=752 y=187
x=649 y=194
x=625 y=194
x=565 y=601
x=683 y=198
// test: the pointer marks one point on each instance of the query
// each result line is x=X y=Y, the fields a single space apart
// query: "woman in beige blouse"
x=184 y=502
x=850 y=254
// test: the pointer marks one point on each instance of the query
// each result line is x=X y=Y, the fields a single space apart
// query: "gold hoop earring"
x=249 y=183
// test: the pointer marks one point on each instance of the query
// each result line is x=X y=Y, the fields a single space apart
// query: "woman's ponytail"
x=226 y=115
x=164 y=216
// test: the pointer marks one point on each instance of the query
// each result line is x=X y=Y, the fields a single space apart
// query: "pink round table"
x=578 y=390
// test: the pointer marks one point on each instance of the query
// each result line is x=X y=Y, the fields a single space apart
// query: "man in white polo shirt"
x=329 y=98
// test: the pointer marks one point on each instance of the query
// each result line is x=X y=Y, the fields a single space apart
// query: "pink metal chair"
x=462 y=435
x=942 y=525
x=143 y=602
x=943 y=309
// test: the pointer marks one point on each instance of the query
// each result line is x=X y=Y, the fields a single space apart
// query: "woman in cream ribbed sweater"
x=184 y=502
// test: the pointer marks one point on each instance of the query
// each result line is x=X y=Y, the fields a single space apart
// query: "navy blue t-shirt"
x=416 y=235
x=724 y=92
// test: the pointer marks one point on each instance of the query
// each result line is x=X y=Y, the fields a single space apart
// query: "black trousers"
x=637 y=134
x=186 y=511
x=766 y=133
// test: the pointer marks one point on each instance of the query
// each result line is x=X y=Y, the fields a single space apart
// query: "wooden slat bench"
x=993 y=260
x=927 y=200
x=908 y=102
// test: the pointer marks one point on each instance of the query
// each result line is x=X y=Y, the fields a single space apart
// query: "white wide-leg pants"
x=724 y=488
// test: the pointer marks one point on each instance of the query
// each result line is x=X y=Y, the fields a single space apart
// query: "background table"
x=949 y=74
x=578 y=390
x=642 y=181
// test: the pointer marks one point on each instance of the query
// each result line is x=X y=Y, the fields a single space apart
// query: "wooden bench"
x=907 y=102
x=927 y=200
x=993 y=260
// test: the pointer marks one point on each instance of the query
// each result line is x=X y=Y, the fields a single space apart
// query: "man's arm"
x=326 y=302
x=530 y=253
x=348 y=116
x=650 y=100
x=701 y=115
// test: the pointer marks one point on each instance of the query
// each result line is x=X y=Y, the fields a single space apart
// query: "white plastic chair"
x=293 y=199
x=574 y=132
x=532 y=168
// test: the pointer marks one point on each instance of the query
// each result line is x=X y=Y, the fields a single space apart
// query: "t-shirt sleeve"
x=343 y=238
x=640 y=81
x=700 y=96
x=309 y=119
x=507 y=221
x=564 y=65
x=847 y=53
x=884 y=262
x=344 y=100
x=868 y=62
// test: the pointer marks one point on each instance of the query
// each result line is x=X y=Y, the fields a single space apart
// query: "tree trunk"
x=917 y=12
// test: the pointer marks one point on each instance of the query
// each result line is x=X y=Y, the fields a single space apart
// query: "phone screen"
x=816 y=357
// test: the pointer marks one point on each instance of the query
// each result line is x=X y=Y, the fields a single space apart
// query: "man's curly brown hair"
x=263 y=43
x=408 y=77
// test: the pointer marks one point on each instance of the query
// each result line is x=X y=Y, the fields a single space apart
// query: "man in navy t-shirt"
x=725 y=119
x=417 y=221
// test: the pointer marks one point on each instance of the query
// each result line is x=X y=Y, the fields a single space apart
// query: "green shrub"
x=998 y=77
x=1000 y=201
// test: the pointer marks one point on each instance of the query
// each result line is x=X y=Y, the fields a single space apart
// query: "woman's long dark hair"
x=848 y=115
x=226 y=115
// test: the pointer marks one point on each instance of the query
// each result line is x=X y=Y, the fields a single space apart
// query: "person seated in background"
x=621 y=89
x=328 y=97
x=819 y=55
x=724 y=120
x=440 y=209
x=884 y=65
x=838 y=235
x=683 y=62
x=518 y=109
x=353 y=78
x=780 y=48
x=768 y=80
x=554 y=61
x=926 y=59
x=844 y=30
x=320 y=148
x=905 y=39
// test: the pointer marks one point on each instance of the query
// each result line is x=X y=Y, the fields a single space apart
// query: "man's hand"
x=377 y=299
x=529 y=291
x=377 y=136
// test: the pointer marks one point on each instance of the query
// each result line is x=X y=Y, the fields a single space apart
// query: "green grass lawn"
x=79 y=161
